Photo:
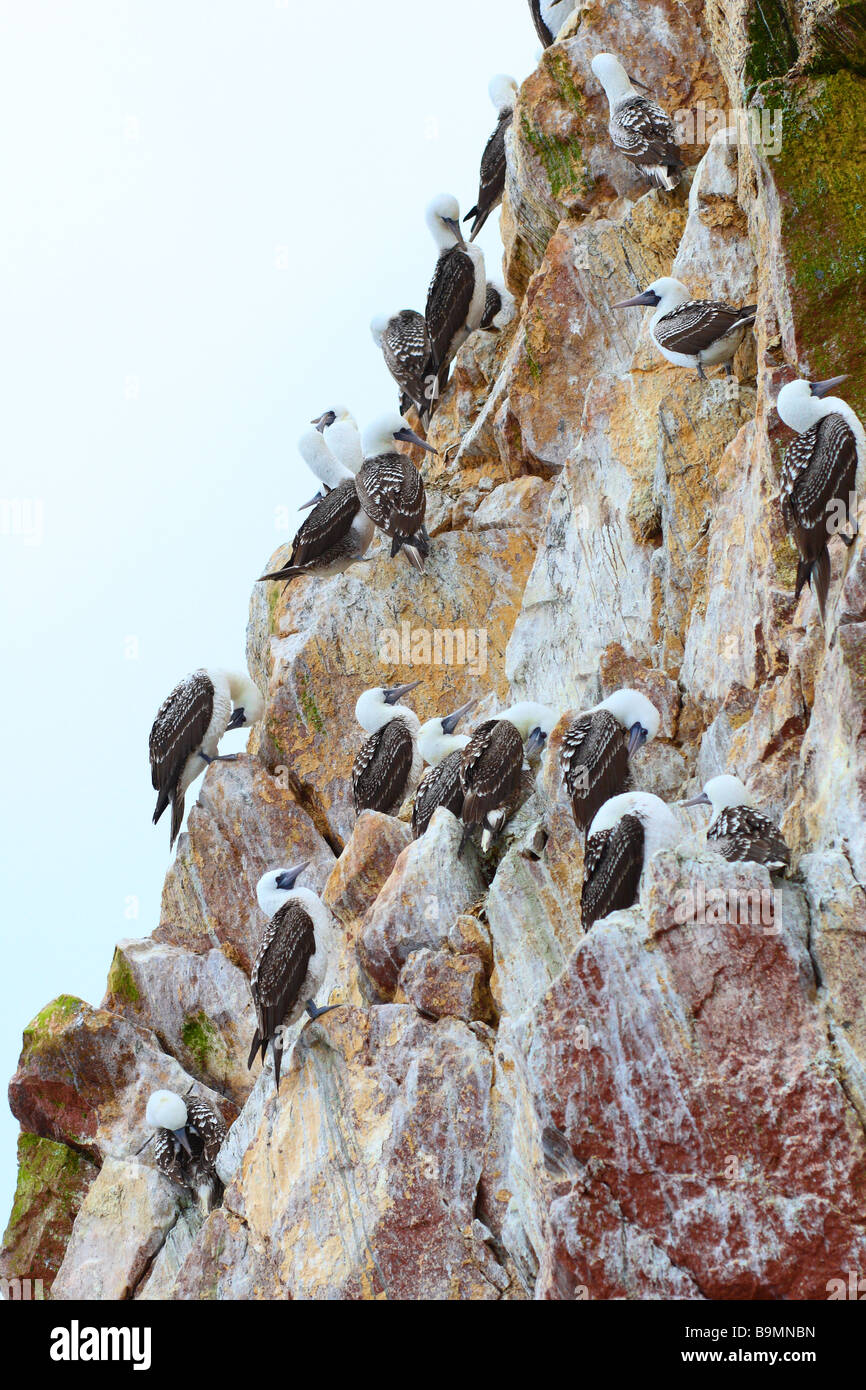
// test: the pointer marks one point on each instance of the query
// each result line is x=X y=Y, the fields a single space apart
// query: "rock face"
x=673 y=1105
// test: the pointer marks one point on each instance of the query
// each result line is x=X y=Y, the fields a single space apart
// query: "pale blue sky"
x=160 y=161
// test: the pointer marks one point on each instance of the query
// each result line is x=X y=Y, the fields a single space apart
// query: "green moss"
x=534 y=364
x=274 y=591
x=52 y=1181
x=120 y=982
x=308 y=705
x=202 y=1038
x=566 y=169
x=50 y=1020
x=562 y=73
x=772 y=46
x=838 y=39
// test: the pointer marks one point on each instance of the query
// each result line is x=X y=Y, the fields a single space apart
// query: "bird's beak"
x=535 y=742
x=647 y=299
x=238 y=719
x=408 y=436
x=323 y=421
x=314 y=501
x=456 y=229
x=635 y=82
x=143 y=1147
x=288 y=877
x=181 y=1137
x=701 y=800
x=450 y=722
x=396 y=692
x=637 y=737
x=823 y=388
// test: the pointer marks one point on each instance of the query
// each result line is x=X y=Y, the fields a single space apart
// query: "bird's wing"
x=392 y=494
x=490 y=768
x=743 y=832
x=820 y=465
x=541 y=28
x=642 y=130
x=210 y=1126
x=406 y=347
x=169 y=1160
x=692 y=327
x=381 y=768
x=179 y=728
x=328 y=522
x=612 y=869
x=594 y=760
x=440 y=786
x=491 y=183
x=281 y=966
x=448 y=301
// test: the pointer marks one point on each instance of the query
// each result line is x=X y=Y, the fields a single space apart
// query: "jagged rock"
x=445 y=984
x=52 y=1183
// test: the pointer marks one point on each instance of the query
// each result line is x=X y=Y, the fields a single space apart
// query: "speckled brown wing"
x=490 y=769
x=380 y=773
x=744 y=833
x=612 y=869
x=178 y=730
x=491 y=184
x=440 y=786
x=691 y=328
x=278 y=975
x=392 y=494
x=594 y=761
x=448 y=303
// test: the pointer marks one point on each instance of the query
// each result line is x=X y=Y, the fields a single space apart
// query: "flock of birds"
x=483 y=777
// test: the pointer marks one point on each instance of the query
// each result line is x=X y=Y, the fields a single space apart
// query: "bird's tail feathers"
x=257 y=1042
x=176 y=816
x=161 y=803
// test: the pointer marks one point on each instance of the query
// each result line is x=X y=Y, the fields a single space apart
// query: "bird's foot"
x=701 y=373
x=220 y=758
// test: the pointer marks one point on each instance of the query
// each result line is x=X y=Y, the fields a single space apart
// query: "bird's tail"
x=176 y=816
x=257 y=1043
x=161 y=803
x=278 y=1062
x=815 y=573
x=288 y=573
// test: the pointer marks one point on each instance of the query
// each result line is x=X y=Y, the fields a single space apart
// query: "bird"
x=823 y=473
x=457 y=293
x=441 y=748
x=391 y=489
x=189 y=1134
x=338 y=532
x=315 y=449
x=388 y=764
x=492 y=766
x=340 y=431
x=186 y=732
x=289 y=969
x=638 y=127
x=596 y=749
x=405 y=346
x=491 y=182
x=549 y=16
x=738 y=830
x=693 y=332
x=624 y=835
x=499 y=307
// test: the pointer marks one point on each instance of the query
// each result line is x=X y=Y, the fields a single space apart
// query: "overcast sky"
x=203 y=205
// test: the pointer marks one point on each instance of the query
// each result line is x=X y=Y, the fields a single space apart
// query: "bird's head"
x=503 y=91
x=635 y=713
x=721 y=793
x=382 y=434
x=666 y=291
x=443 y=219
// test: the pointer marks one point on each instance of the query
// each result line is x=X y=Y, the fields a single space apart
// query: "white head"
x=378 y=327
x=720 y=793
x=661 y=827
x=533 y=722
x=381 y=435
x=612 y=76
x=635 y=713
x=503 y=91
x=247 y=699
x=443 y=219
x=165 y=1110
x=436 y=738
x=377 y=707
x=801 y=404
x=274 y=888
x=664 y=294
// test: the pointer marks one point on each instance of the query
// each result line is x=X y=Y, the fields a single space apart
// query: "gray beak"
x=637 y=737
x=648 y=299
x=701 y=800
x=288 y=877
x=143 y=1147
x=535 y=743
x=635 y=82
x=181 y=1137
x=450 y=722
x=396 y=692
x=408 y=436
x=455 y=228
x=238 y=719
x=314 y=501
x=324 y=421
x=823 y=388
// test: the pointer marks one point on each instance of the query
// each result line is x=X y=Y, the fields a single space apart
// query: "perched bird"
x=342 y=436
x=292 y=958
x=388 y=764
x=455 y=300
x=693 y=332
x=548 y=16
x=491 y=183
x=405 y=347
x=492 y=766
x=499 y=307
x=737 y=829
x=391 y=488
x=638 y=127
x=187 y=730
x=596 y=749
x=322 y=462
x=823 y=474
x=338 y=531
x=189 y=1135
x=441 y=748
x=623 y=837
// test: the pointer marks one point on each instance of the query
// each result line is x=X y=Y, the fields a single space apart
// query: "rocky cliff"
x=673 y=1105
